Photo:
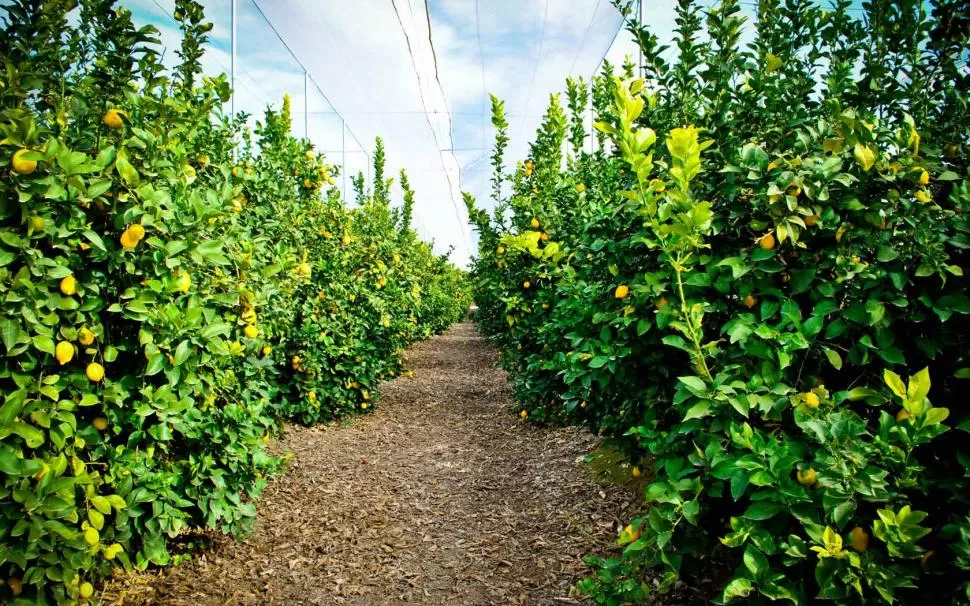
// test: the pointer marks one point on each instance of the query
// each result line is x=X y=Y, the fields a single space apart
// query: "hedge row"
x=750 y=284
x=173 y=288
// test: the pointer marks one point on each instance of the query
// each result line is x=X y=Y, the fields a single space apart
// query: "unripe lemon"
x=251 y=331
x=859 y=539
x=112 y=119
x=807 y=477
x=622 y=291
x=86 y=590
x=69 y=286
x=91 y=536
x=86 y=337
x=37 y=223
x=21 y=165
x=100 y=423
x=95 y=372
x=64 y=352
x=767 y=241
x=535 y=223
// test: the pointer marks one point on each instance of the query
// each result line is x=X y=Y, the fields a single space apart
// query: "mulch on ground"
x=438 y=497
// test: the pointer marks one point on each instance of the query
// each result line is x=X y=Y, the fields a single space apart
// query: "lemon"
x=37 y=223
x=86 y=337
x=128 y=241
x=100 y=423
x=750 y=301
x=16 y=586
x=136 y=230
x=526 y=284
x=69 y=286
x=580 y=188
x=807 y=477
x=267 y=350
x=91 y=536
x=767 y=241
x=501 y=250
x=923 y=196
x=345 y=239
x=622 y=291
x=924 y=178
x=21 y=165
x=859 y=539
x=811 y=220
x=112 y=551
x=524 y=414
x=535 y=223
x=184 y=281
x=811 y=399
x=309 y=155
x=112 y=119
x=544 y=237
x=363 y=405
x=64 y=352
x=94 y=372
x=312 y=396
x=251 y=331
x=86 y=590
x=635 y=472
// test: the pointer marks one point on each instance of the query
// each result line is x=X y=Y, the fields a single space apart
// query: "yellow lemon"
x=363 y=405
x=807 y=477
x=91 y=536
x=501 y=250
x=100 y=423
x=136 y=230
x=859 y=539
x=128 y=241
x=526 y=284
x=924 y=178
x=767 y=241
x=85 y=336
x=64 y=352
x=184 y=281
x=94 y=372
x=811 y=399
x=535 y=223
x=69 y=285
x=635 y=472
x=524 y=414
x=811 y=220
x=37 y=223
x=16 y=586
x=21 y=165
x=267 y=350
x=346 y=239
x=251 y=331
x=622 y=291
x=86 y=590
x=750 y=301
x=580 y=188
x=112 y=119
x=923 y=196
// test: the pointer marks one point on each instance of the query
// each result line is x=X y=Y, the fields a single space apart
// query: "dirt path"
x=439 y=497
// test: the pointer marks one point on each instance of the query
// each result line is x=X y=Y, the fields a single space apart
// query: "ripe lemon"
x=526 y=284
x=524 y=414
x=251 y=331
x=750 y=301
x=346 y=239
x=312 y=396
x=544 y=237
x=309 y=155
x=94 y=372
x=807 y=477
x=924 y=178
x=69 y=286
x=811 y=220
x=859 y=539
x=112 y=119
x=923 y=196
x=267 y=350
x=91 y=536
x=535 y=224
x=100 y=423
x=363 y=405
x=622 y=291
x=580 y=188
x=128 y=241
x=137 y=231
x=21 y=165
x=811 y=399
x=501 y=250
x=635 y=472
x=767 y=241
x=86 y=590
x=86 y=337
x=64 y=352
x=16 y=586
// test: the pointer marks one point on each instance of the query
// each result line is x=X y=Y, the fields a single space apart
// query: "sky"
x=416 y=73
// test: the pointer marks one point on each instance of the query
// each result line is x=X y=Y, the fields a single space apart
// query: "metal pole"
x=343 y=155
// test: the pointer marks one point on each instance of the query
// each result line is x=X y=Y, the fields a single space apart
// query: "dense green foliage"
x=169 y=297
x=768 y=240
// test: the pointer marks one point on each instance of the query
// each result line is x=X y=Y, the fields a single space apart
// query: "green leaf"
x=699 y=410
x=762 y=510
x=834 y=358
